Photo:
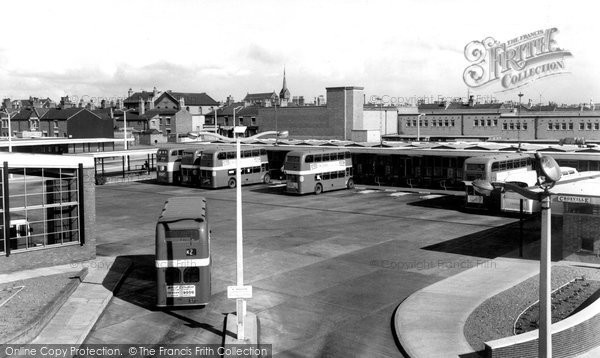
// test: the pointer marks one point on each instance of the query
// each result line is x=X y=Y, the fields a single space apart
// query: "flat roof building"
x=47 y=210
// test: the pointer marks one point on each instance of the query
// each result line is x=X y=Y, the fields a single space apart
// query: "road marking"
x=401 y=193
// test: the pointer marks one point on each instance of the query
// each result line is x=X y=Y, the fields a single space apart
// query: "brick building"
x=500 y=121
x=55 y=122
x=55 y=228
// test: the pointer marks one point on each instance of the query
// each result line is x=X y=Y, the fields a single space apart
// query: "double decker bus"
x=316 y=171
x=218 y=166
x=168 y=165
x=512 y=167
x=190 y=166
x=183 y=261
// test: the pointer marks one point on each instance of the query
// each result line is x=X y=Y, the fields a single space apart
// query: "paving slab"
x=75 y=319
x=431 y=321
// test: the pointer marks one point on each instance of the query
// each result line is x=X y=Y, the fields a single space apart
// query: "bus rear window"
x=476 y=167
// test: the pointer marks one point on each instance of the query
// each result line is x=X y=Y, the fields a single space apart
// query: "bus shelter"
x=116 y=166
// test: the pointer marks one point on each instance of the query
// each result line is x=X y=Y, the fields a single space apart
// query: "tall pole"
x=519 y=122
x=380 y=124
x=241 y=303
x=276 y=130
x=9 y=132
x=345 y=137
x=419 y=126
x=234 y=121
x=545 y=338
x=125 y=130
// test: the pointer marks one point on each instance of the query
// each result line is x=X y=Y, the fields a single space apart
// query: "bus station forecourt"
x=328 y=272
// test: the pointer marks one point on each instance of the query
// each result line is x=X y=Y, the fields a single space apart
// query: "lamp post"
x=9 y=131
x=519 y=122
x=419 y=126
x=548 y=174
x=125 y=127
x=240 y=301
x=275 y=102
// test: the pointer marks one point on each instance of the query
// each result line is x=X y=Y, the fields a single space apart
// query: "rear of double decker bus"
x=183 y=262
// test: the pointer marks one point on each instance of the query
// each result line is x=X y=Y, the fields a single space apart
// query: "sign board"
x=573 y=199
x=239 y=291
x=177 y=291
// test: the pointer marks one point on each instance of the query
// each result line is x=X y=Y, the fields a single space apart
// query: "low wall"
x=570 y=337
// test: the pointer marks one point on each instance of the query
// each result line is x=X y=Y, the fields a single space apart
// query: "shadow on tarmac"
x=139 y=287
x=500 y=241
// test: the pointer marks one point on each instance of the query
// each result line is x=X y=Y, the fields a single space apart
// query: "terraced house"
x=55 y=122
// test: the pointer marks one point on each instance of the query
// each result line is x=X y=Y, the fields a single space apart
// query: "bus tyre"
x=267 y=178
x=350 y=183
x=231 y=183
x=318 y=188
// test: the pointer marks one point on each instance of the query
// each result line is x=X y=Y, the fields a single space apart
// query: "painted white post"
x=241 y=303
x=545 y=338
x=9 y=133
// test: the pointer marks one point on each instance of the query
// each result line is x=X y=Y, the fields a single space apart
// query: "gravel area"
x=495 y=318
x=28 y=305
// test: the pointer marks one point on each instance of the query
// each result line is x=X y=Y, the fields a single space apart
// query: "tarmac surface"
x=328 y=271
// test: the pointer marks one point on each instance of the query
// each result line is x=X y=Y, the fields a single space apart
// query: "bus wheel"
x=350 y=183
x=231 y=183
x=267 y=178
x=318 y=188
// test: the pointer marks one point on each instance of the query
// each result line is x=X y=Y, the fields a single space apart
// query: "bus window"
x=326 y=157
x=263 y=152
x=341 y=156
x=230 y=155
x=495 y=166
x=222 y=155
x=317 y=158
x=246 y=154
x=509 y=164
x=231 y=172
x=191 y=274
x=172 y=275
x=309 y=159
x=348 y=155
x=334 y=175
x=255 y=152
x=326 y=176
x=256 y=170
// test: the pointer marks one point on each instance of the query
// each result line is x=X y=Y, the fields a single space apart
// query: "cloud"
x=263 y=56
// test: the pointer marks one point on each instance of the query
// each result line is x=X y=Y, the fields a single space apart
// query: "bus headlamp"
x=301 y=178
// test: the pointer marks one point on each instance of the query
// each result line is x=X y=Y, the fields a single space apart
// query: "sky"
x=394 y=49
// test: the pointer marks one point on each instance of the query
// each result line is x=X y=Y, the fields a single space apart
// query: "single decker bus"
x=316 y=171
x=511 y=167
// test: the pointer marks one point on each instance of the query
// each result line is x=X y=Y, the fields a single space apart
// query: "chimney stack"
x=141 y=105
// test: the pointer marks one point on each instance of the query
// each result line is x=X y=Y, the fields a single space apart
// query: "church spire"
x=284 y=95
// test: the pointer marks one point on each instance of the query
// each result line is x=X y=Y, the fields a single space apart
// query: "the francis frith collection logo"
x=516 y=62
